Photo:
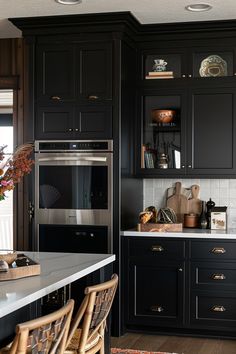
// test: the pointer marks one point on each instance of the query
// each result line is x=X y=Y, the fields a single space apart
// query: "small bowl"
x=8 y=256
x=163 y=115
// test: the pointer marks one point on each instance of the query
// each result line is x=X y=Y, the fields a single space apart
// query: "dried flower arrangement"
x=14 y=168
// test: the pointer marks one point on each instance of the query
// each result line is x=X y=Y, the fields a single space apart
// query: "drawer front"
x=207 y=275
x=157 y=247
x=219 y=311
x=213 y=250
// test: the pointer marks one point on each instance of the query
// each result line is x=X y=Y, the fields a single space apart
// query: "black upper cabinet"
x=74 y=91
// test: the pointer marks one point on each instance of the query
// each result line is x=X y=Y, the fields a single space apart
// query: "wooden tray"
x=152 y=227
x=25 y=267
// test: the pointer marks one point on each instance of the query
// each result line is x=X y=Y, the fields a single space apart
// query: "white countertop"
x=187 y=233
x=57 y=270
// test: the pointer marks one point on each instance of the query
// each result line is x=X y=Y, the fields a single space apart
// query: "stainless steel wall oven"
x=73 y=194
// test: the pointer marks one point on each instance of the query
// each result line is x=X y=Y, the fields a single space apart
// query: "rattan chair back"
x=44 y=335
x=91 y=318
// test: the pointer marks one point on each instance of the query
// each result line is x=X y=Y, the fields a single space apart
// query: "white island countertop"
x=187 y=233
x=57 y=270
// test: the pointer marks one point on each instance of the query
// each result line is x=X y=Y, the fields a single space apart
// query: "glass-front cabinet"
x=196 y=62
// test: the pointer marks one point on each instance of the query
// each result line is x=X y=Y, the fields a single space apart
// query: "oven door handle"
x=71 y=158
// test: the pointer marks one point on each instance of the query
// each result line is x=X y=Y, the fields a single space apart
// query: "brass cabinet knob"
x=183 y=166
x=157 y=248
x=76 y=129
x=189 y=75
x=218 y=308
x=183 y=75
x=55 y=98
x=218 y=276
x=180 y=269
x=156 y=308
x=70 y=130
x=218 y=250
x=189 y=166
x=93 y=97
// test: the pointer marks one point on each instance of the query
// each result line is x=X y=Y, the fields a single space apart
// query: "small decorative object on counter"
x=154 y=212
x=210 y=205
x=167 y=216
x=219 y=218
x=145 y=216
x=191 y=220
x=203 y=219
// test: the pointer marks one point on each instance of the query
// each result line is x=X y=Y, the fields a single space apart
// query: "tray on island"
x=22 y=267
x=158 y=227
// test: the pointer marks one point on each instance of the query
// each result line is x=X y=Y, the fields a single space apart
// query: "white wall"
x=221 y=191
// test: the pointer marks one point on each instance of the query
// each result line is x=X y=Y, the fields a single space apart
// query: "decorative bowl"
x=163 y=115
x=8 y=256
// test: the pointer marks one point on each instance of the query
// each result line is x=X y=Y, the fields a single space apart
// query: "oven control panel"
x=82 y=145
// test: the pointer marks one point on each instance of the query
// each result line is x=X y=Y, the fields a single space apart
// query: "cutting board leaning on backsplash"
x=194 y=203
x=178 y=202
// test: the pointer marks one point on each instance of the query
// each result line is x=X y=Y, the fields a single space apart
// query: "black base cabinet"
x=180 y=286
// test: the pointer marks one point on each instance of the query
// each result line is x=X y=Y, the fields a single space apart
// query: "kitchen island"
x=57 y=270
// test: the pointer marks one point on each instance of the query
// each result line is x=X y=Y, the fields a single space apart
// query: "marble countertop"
x=57 y=270
x=187 y=233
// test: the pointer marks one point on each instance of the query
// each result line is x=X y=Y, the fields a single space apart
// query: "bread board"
x=158 y=227
x=23 y=267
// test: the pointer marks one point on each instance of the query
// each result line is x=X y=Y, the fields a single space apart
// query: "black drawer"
x=213 y=250
x=157 y=247
x=208 y=275
x=219 y=311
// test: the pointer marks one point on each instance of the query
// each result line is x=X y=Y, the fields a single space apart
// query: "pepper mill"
x=210 y=204
x=203 y=219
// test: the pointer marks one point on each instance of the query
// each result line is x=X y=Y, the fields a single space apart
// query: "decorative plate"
x=213 y=66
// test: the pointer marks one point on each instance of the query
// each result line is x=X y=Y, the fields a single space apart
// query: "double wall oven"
x=73 y=196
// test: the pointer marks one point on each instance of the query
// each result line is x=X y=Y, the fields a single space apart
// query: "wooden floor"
x=180 y=345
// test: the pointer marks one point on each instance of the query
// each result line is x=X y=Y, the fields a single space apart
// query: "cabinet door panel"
x=54 y=122
x=95 y=71
x=55 y=72
x=94 y=122
x=212 y=146
x=155 y=293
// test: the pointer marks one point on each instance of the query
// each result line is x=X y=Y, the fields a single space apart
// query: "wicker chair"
x=86 y=334
x=44 y=335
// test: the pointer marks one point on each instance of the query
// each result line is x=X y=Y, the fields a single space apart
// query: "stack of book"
x=160 y=75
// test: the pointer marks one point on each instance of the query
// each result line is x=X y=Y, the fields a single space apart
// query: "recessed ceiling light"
x=198 y=7
x=69 y=2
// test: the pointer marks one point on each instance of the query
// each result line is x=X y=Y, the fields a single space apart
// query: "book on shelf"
x=160 y=73
x=149 y=159
x=159 y=77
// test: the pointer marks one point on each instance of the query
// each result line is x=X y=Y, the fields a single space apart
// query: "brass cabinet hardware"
x=93 y=97
x=183 y=166
x=157 y=248
x=156 y=308
x=76 y=129
x=218 y=276
x=70 y=130
x=189 y=75
x=183 y=75
x=55 y=98
x=218 y=250
x=218 y=308
x=180 y=269
x=189 y=166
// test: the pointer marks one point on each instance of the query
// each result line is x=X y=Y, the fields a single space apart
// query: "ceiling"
x=146 y=11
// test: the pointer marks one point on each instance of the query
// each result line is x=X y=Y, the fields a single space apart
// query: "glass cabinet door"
x=163 y=65
x=161 y=140
x=214 y=63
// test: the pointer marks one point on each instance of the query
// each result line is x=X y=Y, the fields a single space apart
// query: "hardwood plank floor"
x=180 y=345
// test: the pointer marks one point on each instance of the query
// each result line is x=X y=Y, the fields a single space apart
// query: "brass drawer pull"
x=218 y=308
x=156 y=308
x=218 y=250
x=55 y=98
x=93 y=97
x=218 y=277
x=157 y=248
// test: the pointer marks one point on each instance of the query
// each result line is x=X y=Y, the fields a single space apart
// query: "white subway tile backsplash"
x=221 y=191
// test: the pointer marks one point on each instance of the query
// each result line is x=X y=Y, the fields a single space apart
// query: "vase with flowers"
x=14 y=167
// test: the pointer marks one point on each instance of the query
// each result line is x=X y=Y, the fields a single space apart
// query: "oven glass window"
x=73 y=187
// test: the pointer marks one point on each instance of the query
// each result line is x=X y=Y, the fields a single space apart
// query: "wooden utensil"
x=194 y=203
x=178 y=202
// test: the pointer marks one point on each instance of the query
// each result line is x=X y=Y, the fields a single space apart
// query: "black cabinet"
x=155 y=282
x=187 y=286
x=186 y=98
x=74 y=90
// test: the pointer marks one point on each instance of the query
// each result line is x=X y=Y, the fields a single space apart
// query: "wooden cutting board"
x=194 y=203
x=178 y=202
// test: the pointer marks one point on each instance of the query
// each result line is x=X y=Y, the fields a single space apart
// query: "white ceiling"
x=146 y=11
